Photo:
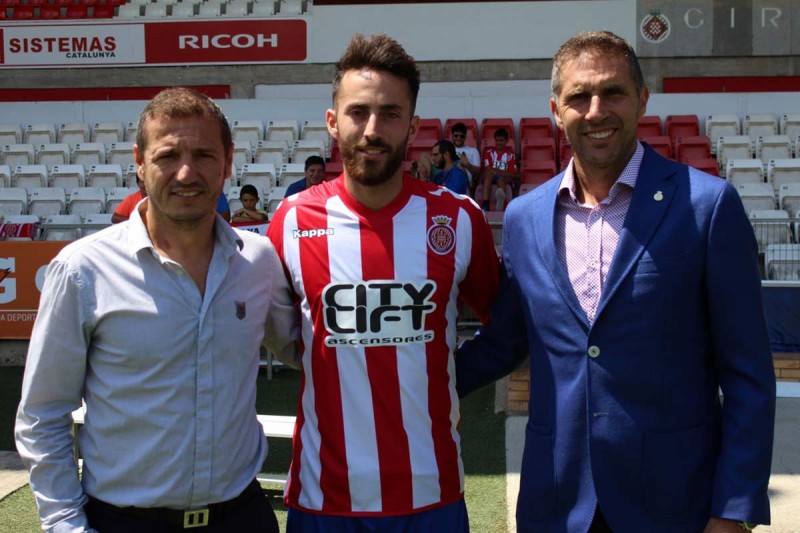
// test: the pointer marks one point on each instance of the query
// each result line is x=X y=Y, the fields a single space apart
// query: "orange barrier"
x=22 y=268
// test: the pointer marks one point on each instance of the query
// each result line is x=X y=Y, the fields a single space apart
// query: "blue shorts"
x=451 y=518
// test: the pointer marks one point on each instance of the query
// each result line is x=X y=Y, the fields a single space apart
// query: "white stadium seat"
x=771 y=226
x=73 y=133
x=69 y=230
x=733 y=147
x=155 y=11
x=263 y=175
x=17 y=154
x=302 y=150
x=68 y=177
x=13 y=201
x=87 y=201
x=780 y=171
x=782 y=262
x=756 y=196
x=242 y=152
x=120 y=153
x=47 y=201
x=759 y=125
x=237 y=8
x=789 y=198
x=105 y=176
x=94 y=222
x=88 y=154
x=291 y=173
x=263 y=8
x=5 y=176
x=790 y=125
x=284 y=130
x=10 y=134
x=183 y=10
x=116 y=195
x=39 y=133
x=130 y=131
x=30 y=176
x=773 y=147
x=52 y=154
x=720 y=125
x=744 y=171
x=210 y=10
x=129 y=178
x=247 y=130
x=272 y=152
x=317 y=129
x=274 y=199
x=107 y=132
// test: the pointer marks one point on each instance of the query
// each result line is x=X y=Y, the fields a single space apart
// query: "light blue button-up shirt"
x=168 y=374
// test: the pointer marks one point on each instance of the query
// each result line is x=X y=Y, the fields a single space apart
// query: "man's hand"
x=723 y=525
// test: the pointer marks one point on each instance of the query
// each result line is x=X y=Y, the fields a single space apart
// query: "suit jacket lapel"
x=651 y=198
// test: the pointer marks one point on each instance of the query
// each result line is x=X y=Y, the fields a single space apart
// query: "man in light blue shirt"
x=156 y=324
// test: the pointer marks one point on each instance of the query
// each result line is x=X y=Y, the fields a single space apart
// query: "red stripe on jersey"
x=393 y=452
x=442 y=267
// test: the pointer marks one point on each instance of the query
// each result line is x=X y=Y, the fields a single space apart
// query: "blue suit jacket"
x=626 y=411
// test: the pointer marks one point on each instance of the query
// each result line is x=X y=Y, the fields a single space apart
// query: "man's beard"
x=371 y=173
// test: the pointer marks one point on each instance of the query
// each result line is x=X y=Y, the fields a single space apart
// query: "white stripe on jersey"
x=357 y=405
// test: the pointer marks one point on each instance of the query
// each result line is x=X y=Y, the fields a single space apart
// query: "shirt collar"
x=627 y=177
x=138 y=238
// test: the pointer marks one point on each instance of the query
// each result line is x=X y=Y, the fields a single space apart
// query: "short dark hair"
x=182 y=102
x=501 y=132
x=448 y=148
x=601 y=42
x=459 y=127
x=248 y=189
x=314 y=160
x=378 y=52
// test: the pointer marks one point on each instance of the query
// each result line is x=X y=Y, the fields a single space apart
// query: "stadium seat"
x=13 y=201
x=73 y=133
x=76 y=11
x=210 y=10
x=10 y=134
x=286 y=130
x=29 y=176
x=472 y=130
x=538 y=149
x=52 y=154
x=88 y=154
x=789 y=198
x=237 y=8
x=744 y=171
x=490 y=125
x=120 y=153
x=733 y=147
x=689 y=148
x=94 y=222
x=781 y=171
x=290 y=7
x=649 y=126
x=790 y=125
x=49 y=12
x=782 y=262
x=708 y=165
x=22 y=12
x=5 y=176
x=67 y=177
x=61 y=228
x=417 y=148
x=333 y=169
x=155 y=10
x=115 y=196
x=106 y=176
x=129 y=11
x=537 y=172
x=87 y=201
x=263 y=8
x=756 y=196
x=773 y=147
x=129 y=179
x=661 y=144
x=130 y=131
x=21 y=220
x=47 y=201
x=262 y=175
x=771 y=226
x=430 y=128
x=248 y=130
x=102 y=11
x=274 y=199
x=721 y=125
x=107 y=132
x=17 y=154
x=242 y=153
x=316 y=129
x=336 y=155
x=273 y=152
x=291 y=173
x=681 y=126
x=759 y=125
x=564 y=153
x=535 y=127
x=36 y=134
x=302 y=150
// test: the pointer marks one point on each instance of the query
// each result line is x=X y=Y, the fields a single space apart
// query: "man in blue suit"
x=633 y=283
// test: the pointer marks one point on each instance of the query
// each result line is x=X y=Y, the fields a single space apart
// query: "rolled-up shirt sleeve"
x=52 y=388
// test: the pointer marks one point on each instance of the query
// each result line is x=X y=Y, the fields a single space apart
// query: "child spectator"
x=249 y=212
x=499 y=167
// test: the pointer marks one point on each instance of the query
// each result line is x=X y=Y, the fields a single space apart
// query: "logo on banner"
x=655 y=27
x=441 y=236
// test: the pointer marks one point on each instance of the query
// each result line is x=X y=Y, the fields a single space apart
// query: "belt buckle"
x=195 y=518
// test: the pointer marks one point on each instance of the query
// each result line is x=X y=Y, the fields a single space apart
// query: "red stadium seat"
x=535 y=127
x=113 y=3
x=21 y=12
x=649 y=126
x=418 y=147
x=661 y=144
x=682 y=126
x=77 y=12
x=490 y=125
x=537 y=172
x=694 y=147
x=103 y=11
x=333 y=169
x=10 y=3
x=336 y=155
x=48 y=12
x=430 y=128
x=36 y=3
x=538 y=149
x=472 y=130
x=88 y=2
x=564 y=153
x=706 y=164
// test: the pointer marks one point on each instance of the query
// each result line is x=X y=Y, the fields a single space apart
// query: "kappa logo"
x=305 y=233
x=441 y=236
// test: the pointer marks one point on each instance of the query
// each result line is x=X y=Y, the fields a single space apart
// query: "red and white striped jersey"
x=500 y=160
x=376 y=425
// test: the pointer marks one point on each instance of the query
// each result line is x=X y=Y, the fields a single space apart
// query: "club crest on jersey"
x=441 y=235
x=362 y=314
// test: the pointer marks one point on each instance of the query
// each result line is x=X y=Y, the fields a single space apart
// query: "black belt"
x=210 y=514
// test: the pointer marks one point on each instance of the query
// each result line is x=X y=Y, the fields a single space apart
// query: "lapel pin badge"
x=658 y=196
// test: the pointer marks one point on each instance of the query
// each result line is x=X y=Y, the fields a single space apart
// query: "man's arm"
x=52 y=388
x=283 y=323
x=743 y=361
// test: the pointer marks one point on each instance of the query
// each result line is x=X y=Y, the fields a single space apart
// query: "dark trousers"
x=250 y=512
x=599 y=524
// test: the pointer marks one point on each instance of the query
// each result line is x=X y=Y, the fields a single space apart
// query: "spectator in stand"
x=469 y=157
x=249 y=213
x=499 y=168
x=168 y=371
x=452 y=176
x=315 y=174
x=223 y=208
x=124 y=209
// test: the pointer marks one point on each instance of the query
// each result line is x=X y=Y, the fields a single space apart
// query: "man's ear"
x=330 y=121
